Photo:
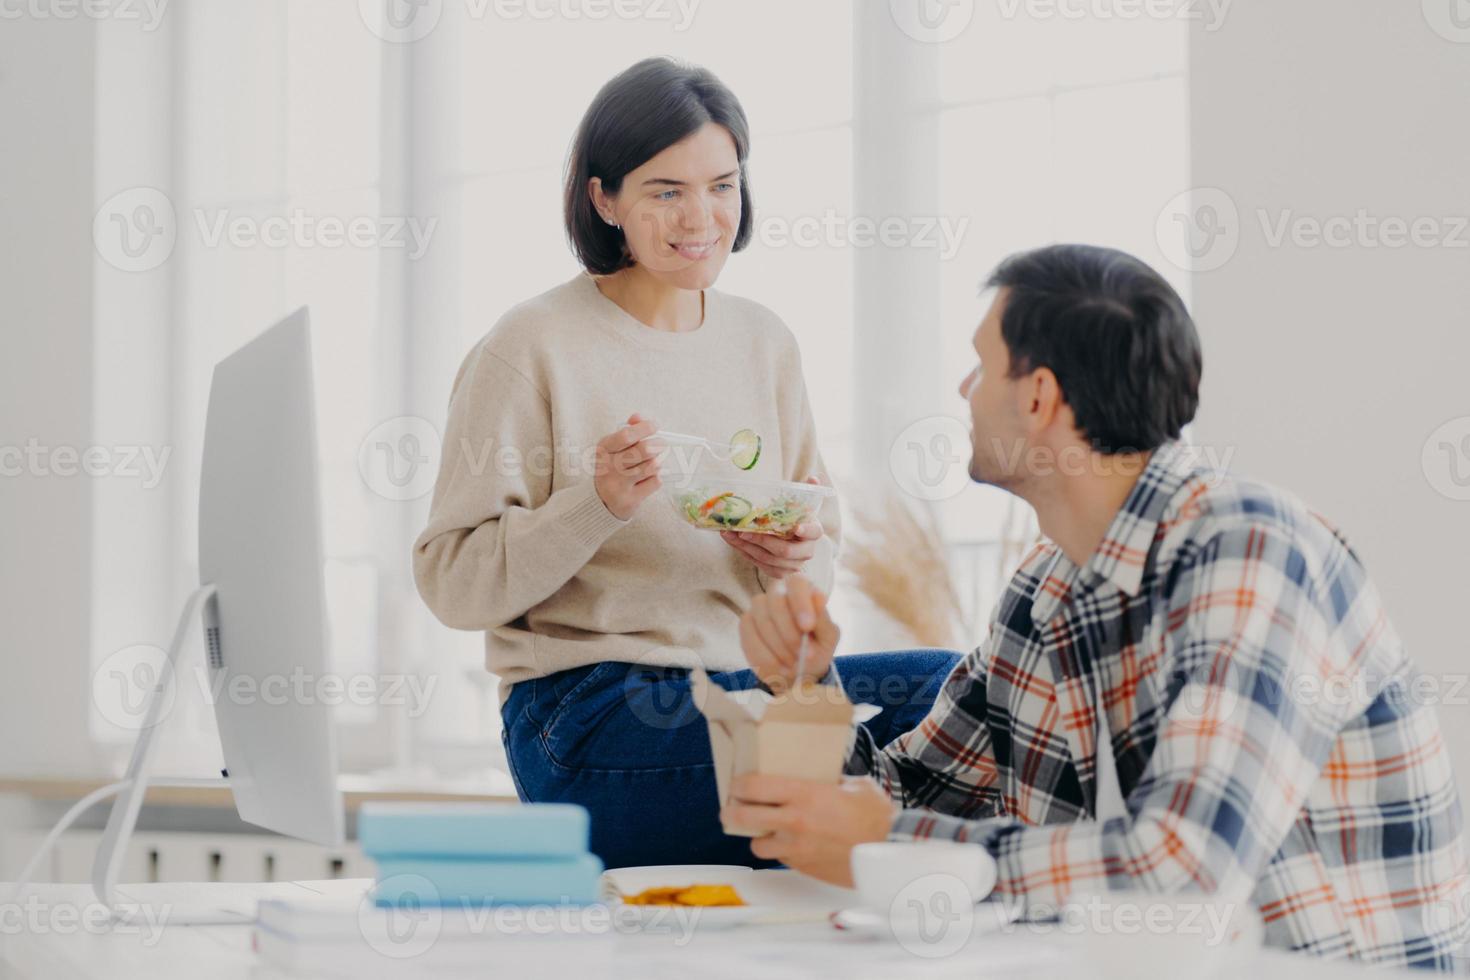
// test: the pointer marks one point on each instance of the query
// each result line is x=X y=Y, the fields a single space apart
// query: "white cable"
x=81 y=806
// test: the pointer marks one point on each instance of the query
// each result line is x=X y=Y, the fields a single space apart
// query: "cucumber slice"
x=731 y=511
x=745 y=449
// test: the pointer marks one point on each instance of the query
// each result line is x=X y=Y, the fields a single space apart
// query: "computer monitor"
x=261 y=601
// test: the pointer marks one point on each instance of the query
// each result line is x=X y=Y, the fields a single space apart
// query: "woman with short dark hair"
x=595 y=599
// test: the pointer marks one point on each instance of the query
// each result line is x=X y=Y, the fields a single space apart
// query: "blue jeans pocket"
x=575 y=714
x=626 y=718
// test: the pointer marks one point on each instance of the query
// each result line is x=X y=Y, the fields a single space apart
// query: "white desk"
x=768 y=952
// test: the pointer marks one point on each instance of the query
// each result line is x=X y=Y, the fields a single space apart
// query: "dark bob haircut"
x=636 y=116
x=1115 y=334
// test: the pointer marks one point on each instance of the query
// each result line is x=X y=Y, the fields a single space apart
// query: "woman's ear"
x=601 y=201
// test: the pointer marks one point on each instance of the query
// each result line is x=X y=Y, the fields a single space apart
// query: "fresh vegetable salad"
x=749 y=505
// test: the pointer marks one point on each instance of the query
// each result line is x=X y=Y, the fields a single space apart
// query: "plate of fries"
x=709 y=895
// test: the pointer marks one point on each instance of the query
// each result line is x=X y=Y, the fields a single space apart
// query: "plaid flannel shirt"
x=1270 y=736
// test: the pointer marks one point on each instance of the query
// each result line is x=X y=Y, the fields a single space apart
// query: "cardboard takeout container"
x=803 y=733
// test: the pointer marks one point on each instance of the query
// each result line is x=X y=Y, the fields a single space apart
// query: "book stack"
x=479 y=854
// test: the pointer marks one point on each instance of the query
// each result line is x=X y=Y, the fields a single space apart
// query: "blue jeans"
x=627 y=743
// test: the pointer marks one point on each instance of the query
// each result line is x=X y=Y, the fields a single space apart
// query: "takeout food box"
x=803 y=733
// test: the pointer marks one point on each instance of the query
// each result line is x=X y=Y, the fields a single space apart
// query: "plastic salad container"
x=745 y=503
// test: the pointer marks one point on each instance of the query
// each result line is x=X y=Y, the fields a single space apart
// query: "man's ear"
x=1041 y=399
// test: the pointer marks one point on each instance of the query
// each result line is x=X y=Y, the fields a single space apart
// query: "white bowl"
x=891 y=876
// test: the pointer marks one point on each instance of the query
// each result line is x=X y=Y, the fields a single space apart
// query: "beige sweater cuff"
x=587 y=518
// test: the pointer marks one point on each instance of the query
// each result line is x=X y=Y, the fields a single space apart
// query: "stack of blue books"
x=462 y=854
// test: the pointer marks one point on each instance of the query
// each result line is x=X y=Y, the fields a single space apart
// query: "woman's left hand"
x=779 y=557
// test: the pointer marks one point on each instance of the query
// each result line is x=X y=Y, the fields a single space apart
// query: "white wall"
x=1328 y=368
x=46 y=161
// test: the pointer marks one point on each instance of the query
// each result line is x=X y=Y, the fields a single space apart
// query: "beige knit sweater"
x=520 y=545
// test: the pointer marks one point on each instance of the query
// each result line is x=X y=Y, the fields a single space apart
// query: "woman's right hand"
x=628 y=466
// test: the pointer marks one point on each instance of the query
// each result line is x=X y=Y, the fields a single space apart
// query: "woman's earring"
x=612 y=222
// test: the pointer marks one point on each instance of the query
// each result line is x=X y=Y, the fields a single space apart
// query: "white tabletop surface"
x=808 y=946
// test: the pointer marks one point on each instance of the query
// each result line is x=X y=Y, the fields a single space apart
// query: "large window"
x=274 y=198
x=521 y=87
x=1043 y=128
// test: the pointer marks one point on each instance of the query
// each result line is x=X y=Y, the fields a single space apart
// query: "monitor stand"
x=183 y=903
x=179 y=903
x=134 y=786
x=169 y=903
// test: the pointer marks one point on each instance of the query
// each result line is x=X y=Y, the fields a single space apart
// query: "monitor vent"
x=211 y=641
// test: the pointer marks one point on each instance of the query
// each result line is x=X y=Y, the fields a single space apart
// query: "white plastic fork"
x=723 y=454
x=801 y=648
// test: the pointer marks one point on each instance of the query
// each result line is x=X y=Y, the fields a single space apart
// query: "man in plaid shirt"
x=1270 y=737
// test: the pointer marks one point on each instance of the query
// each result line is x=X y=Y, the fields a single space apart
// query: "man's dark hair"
x=636 y=116
x=1115 y=334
